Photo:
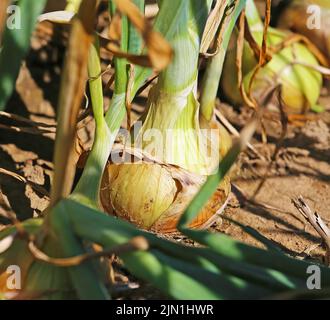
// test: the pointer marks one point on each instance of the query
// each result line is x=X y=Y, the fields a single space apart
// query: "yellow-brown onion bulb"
x=300 y=84
x=154 y=192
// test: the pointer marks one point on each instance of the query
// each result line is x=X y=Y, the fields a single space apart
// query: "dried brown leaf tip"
x=159 y=52
x=212 y=25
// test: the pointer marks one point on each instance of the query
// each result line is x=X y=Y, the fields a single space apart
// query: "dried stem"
x=235 y=133
x=18 y=177
x=316 y=221
x=136 y=243
x=279 y=143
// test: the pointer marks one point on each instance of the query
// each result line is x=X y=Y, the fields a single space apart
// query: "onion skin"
x=154 y=195
x=138 y=192
x=151 y=197
x=207 y=216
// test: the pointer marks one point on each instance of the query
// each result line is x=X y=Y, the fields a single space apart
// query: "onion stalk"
x=214 y=68
x=73 y=5
x=300 y=84
x=181 y=155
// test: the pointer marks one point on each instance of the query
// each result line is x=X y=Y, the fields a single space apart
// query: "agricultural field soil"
x=299 y=167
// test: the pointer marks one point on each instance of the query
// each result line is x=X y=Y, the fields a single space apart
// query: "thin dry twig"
x=128 y=98
x=253 y=43
x=18 y=177
x=136 y=243
x=235 y=133
x=34 y=131
x=279 y=143
x=239 y=63
x=25 y=120
x=263 y=54
x=263 y=58
x=295 y=38
x=316 y=221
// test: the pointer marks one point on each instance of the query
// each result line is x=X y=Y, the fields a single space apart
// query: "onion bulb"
x=154 y=191
x=153 y=196
x=300 y=84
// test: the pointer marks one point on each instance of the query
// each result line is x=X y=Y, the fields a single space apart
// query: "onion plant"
x=55 y=253
x=155 y=195
x=293 y=67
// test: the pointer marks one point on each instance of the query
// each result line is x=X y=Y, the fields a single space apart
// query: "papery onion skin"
x=151 y=198
x=138 y=192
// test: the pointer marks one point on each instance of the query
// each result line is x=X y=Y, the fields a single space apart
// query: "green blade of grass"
x=264 y=276
x=144 y=265
x=119 y=232
x=228 y=247
x=45 y=281
x=121 y=76
x=211 y=286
